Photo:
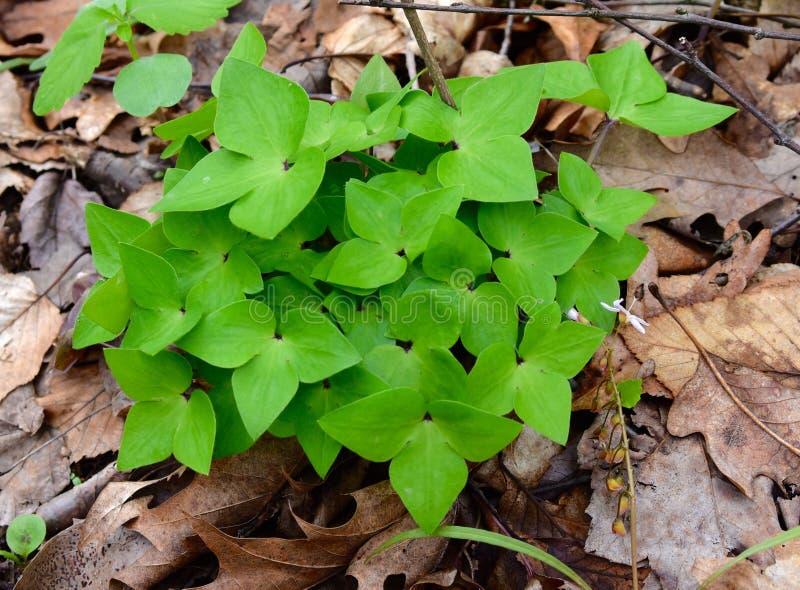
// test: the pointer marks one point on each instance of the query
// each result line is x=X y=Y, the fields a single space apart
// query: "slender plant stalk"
x=629 y=470
x=598 y=143
x=132 y=49
x=427 y=54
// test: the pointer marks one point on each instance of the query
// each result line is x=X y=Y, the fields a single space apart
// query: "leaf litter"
x=707 y=475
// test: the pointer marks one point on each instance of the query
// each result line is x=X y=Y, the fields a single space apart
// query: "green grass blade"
x=496 y=539
x=778 y=539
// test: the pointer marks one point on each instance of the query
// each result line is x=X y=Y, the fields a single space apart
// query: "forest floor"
x=711 y=481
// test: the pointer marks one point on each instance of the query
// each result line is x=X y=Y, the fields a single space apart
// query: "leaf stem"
x=132 y=49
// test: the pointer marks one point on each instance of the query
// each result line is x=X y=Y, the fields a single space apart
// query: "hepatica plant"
x=410 y=310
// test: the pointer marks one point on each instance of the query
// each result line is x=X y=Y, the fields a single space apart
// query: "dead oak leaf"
x=754 y=338
x=28 y=325
x=293 y=564
x=578 y=35
x=781 y=574
x=236 y=489
x=15 y=127
x=78 y=400
x=26 y=19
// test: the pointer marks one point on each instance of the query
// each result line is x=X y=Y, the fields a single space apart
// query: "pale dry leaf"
x=71 y=402
x=679 y=516
x=483 y=63
x=61 y=564
x=775 y=51
x=20 y=410
x=782 y=574
x=94 y=111
x=289 y=34
x=37 y=479
x=329 y=15
x=10 y=178
x=292 y=564
x=528 y=456
x=782 y=167
x=617 y=34
x=754 y=338
x=578 y=35
x=413 y=559
x=710 y=177
x=14 y=126
x=533 y=518
x=236 y=489
x=367 y=34
x=140 y=201
x=28 y=326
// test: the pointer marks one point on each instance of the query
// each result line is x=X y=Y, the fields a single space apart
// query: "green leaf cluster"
x=24 y=536
x=143 y=85
x=401 y=309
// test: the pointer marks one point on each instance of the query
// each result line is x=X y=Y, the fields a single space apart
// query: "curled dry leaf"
x=15 y=126
x=412 y=559
x=781 y=574
x=483 y=63
x=294 y=564
x=237 y=489
x=28 y=326
x=25 y=19
x=578 y=35
x=94 y=111
x=675 y=254
x=753 y=340
x=20 y=410
x=368 y=34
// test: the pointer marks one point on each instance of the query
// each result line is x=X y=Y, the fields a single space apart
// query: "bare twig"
x=427 y=54
x=691 y=58
x=600 y=11
x=507 y=30
x=653 y=288
x=598 y=143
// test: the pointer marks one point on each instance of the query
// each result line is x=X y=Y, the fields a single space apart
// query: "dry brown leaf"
x=755 y=341
x=60 y=564
x=578 y=35
x=73 y=397
x=14 y=125
x=295 y=564
x=542 y=519
x=366 y=33
x=94 y=111
x=725 y=278
x=782 y=574
x=139 y=202
x=289 y=34
x=782 y=167
x=52 y=218
x=483 y=63
x=25 y=19
x=20 y=410
x=675 y=254
x=235 y=491
x=528 y=456
x=329 y=15
x=710 y=177
x=680 y=514
x=28 y=326
x=413 y=559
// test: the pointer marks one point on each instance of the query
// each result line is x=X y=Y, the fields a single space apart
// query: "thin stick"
x=507 y=30
x=691 y=58
x=601 y=11
x=427 y=54
x=653 y=288
x=598 y=143
x=629 y=470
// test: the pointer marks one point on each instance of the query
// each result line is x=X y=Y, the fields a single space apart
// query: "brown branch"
x=409 y=9
x=600 y=11
x=691 y=58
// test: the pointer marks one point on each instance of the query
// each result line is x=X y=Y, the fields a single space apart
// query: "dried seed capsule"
x=615 y=482
x=618 y=527
x=617 y=455
x=615 y=420
x=624 y=504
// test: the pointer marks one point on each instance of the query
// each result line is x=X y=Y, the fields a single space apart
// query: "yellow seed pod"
x=618 y=527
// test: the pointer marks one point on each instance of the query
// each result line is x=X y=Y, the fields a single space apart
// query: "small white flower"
x=573 y=314
x=634 y=320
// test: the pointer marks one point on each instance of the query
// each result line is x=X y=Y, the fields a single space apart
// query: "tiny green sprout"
x=24 y=536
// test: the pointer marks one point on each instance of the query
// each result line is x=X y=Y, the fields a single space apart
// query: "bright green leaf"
x=249 y=47
x=25 y=534
x=455 y=255
x=149 y=432
x=108 y=227
x=154 y=81
x=194 y=435
x=143 y=377
x=177 y=16
x=474 y=434
x=674 y=114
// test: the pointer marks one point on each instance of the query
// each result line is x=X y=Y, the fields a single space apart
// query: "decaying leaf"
x=682 y=514
x=26 y=18
x=94 y=111
x=15 y=126
x=79 y=399
x=296 y=564
x=235 y=491
x=754 y=340
x=28 y=325
x=578 y=35
x=781 y=574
